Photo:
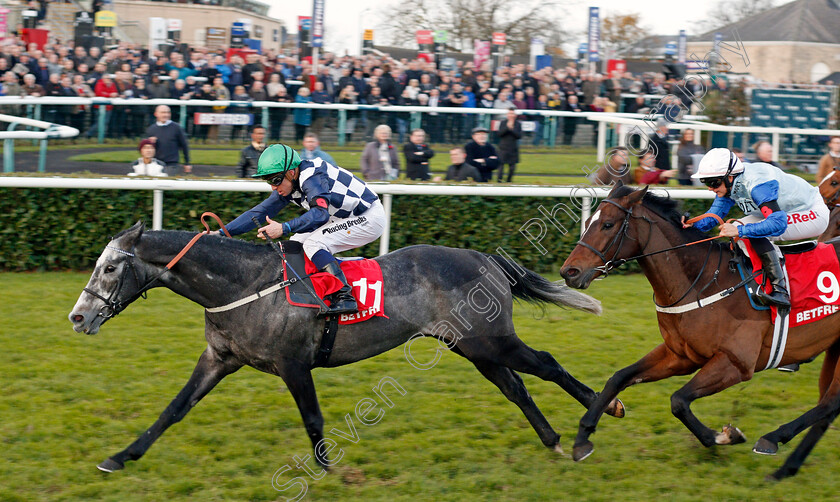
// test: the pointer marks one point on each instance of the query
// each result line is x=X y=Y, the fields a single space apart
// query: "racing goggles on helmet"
x=275 y=179
x=713 y=183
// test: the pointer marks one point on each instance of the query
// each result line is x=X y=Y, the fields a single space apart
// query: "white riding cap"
x=718 y=162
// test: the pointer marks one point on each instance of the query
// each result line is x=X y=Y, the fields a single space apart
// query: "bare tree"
x=621 y=31
x=468 y=20
x=726 y=12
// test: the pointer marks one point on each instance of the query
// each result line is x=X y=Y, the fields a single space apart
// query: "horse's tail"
x=534 y=288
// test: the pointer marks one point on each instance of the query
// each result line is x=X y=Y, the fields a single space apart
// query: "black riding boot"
x=773 y=273
x=342 y=301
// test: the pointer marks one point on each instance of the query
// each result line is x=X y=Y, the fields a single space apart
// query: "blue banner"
x=682 y=47
x=594 y=34
x=317 y=37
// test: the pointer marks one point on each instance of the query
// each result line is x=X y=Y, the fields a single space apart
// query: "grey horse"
x=463 y=298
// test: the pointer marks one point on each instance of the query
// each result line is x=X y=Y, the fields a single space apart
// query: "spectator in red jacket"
x=104 y=88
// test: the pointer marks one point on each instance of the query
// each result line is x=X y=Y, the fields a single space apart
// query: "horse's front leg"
x=660 y=363
x=716 y=375
x=298 y=378
x=209 y=371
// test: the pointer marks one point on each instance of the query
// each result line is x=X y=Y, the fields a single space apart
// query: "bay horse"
x=830 y=191
x=461 y=297
x=727 y=341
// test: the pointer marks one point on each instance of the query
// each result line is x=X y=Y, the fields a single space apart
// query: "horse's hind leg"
x=769 y=443
x=512 y=352
x=209 y=371
x=514 y=389
x=797 y=458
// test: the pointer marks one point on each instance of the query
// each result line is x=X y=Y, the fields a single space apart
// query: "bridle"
x=113 y=306
x=622 y=234
x=830 y=202
x=619 y=238
x=612 y=263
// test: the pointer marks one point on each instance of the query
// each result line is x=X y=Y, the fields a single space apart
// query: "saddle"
x=299 y=292
x=364 y=275
x=813 y=278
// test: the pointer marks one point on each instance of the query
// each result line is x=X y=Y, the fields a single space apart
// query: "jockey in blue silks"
x=779 y=207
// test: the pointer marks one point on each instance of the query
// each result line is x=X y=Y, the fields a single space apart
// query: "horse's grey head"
x=112 y=285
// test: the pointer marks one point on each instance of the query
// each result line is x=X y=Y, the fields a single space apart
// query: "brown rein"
x=198 y=236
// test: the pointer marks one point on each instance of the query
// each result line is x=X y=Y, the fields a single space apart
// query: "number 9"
x=832 y=287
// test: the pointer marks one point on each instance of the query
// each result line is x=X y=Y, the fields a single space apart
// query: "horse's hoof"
x=765 y=447
x=583 y=450
x=616 y=408
x=730 y=435
x=110 y=465
x=559 y=449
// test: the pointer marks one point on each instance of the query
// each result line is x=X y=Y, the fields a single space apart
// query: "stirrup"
x=343 y=306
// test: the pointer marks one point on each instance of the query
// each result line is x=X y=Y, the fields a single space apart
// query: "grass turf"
x=71 y=400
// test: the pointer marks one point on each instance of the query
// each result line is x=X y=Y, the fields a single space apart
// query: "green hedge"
x=57 y=229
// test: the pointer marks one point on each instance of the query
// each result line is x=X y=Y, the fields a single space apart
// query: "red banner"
x=499 y=38
x=425 y=37
x=619 y=65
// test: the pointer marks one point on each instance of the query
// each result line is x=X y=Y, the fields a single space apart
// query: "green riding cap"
x=276 y=159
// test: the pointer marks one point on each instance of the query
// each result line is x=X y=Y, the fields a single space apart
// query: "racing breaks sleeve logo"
x=344 y=225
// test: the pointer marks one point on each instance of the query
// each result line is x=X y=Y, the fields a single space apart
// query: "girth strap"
x=327 y=341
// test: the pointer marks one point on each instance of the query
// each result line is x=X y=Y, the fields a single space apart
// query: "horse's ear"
x=131 y=235
x=637 y=196
x=138 y=227
x=618 y=184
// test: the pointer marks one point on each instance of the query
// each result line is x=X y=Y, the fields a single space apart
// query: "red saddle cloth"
x=365 y=276
x=813 y=283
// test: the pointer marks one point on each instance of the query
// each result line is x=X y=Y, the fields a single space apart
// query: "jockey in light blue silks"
x=779 y=207
x=342 y=212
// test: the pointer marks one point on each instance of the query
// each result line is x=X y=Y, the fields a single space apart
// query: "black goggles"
x=712 y=183
x=275 y=179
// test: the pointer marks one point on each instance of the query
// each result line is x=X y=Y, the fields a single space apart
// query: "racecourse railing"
x=440 y=122
x=610 y=129
x=51 y=131
x=586 y=194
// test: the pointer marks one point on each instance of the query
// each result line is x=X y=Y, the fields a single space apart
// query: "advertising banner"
x=239 y=119
x=317 y=23
x=424 y=37
x=216 y=38
x=594 y=42
x=105 y=19
x=4 y=23
x=481 y=52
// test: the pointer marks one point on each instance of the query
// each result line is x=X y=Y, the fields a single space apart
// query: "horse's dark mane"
x=207 y=248
x=666 y=207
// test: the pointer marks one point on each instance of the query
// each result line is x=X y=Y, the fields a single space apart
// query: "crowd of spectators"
x=127 y=71
x=134 y=73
